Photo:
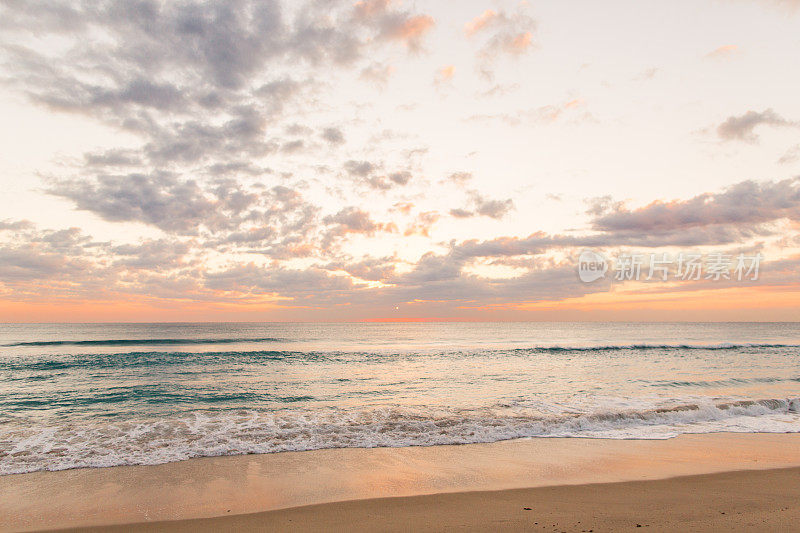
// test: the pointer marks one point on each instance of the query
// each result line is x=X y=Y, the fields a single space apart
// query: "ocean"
x=97 y=395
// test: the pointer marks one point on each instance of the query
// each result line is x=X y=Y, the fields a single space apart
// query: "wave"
x=529 y=349
x=141 y=342
x=234 y=432
x=97 y=361
x=64 y=361
x=619 y=347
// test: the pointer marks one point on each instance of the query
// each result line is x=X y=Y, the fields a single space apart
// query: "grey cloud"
x=461 y=213
x=299 y=283
x=48 y=255
x=747 y=202
x=192 y=78
x=790 y=156
x=460 y=178
x=400 y=178
x=333 y=135
x=154 y=255
x=113 y=158
x=481 y=206
x=291 y=147
x=29 y=263
x=493 y=208
x=15 y=225
x=230 y=211
x=742 y=127
x=353 y=220
x=377 y=73
x=160 y=200
x=367 y=172
x=371 y=269
x=359 y=168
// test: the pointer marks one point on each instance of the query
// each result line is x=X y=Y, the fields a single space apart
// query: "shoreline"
x=702 y=503
x=231 y=486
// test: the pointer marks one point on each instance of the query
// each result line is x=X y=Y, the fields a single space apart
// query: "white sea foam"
x=26 y=447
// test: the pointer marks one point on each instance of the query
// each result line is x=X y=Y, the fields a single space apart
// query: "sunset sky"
x=394 y=160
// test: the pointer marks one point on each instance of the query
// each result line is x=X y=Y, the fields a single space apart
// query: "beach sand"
x=762 y=500
x=568 y=484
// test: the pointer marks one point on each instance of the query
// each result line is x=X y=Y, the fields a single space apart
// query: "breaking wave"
x=25 y=447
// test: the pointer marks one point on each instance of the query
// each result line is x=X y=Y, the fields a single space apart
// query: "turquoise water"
x=112 y=394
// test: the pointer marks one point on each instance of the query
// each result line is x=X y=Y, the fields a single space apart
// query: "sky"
x=389 y=160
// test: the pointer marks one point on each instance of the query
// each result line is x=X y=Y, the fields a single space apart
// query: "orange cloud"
x=478 y=23
x=445 y=74
x=723 y=52
x=520 y=43
x=412 y=29
x=370 y=8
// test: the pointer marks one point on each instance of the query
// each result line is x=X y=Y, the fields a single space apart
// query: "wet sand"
x=754 y=479
x=761 y=500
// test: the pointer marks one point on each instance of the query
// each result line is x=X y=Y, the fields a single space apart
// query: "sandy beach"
x=763 y=500
x=568 y=484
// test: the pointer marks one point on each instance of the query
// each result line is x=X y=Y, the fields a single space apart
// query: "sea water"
x=96 y=395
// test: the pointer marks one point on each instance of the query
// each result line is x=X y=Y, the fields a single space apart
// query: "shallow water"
x=111 y=394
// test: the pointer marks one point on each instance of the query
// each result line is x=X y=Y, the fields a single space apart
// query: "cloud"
x=480 y=22
x=367 y=172
x=365 y=10
x=492 y=208
x=14 y=225
x=481 y=206
x=461 y=213
x=790 y=156
x=221 y=82
x=302 y=284
x=647 y=74
x=394 y=25
x=400 y=178
x=370 y=269
x=46 y=256
x=460 y=178
x=505 y=34
x=158 y=199
x=355 y=220
x=333 y=135
x=410 y=30
x=742 y=127
x=224 y=104
x=360 y=168
x=747 y=203
x=153 y=255
x=540 y=115
x=444 y=75
x=225 y=213
x=724 y=52
x=377 y=73
x=422 y=224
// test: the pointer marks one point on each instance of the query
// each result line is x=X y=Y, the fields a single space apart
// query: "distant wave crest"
x=618 y=347
x=143 y=342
